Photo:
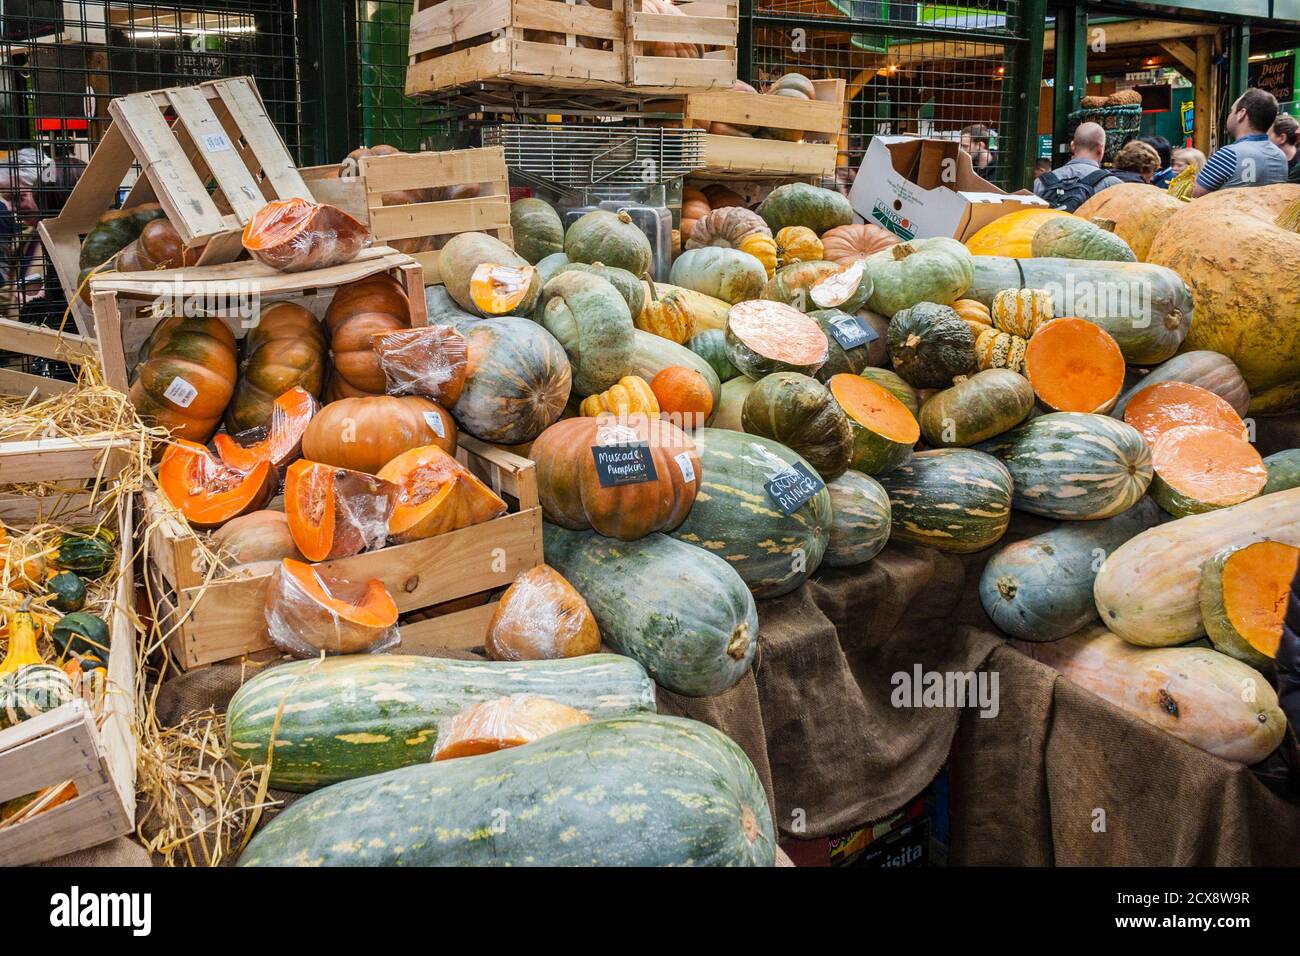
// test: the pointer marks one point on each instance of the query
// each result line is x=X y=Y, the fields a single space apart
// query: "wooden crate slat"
x=556 y=17
x=218 y=153
x=665 y=28
x=13 y=382
x=562 y=64
x=88 y=820
x=455 y=167
x=55 y=746
x=462 y=631
x=47 y=343
x=440 y=218
x=60 y=459
x=246 y=107
x=454 y=21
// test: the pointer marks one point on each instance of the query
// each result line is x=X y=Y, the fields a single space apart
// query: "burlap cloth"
x=1029 y=786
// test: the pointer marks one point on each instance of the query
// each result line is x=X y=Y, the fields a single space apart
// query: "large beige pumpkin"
x=1242 y=267
x=1137 y=209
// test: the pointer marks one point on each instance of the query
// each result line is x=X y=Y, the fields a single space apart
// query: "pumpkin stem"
x=654 y=294
x=902 y=250
x=1007 y=587
x=1106 y=224
x=739 y=643
x=623 y=216
x=913 y=341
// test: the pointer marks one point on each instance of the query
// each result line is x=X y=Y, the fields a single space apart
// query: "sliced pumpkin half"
x=503 y=722
x=498 y=289
x=209 y=492
x=431 y=360
x=765 y=336
x=436 y=494
x=1167 y=405
x=1075 y=366
x=1199 y=468
x=884 y=429
x=308 y=611
x=280 y=442
x=849 y=289
x=1245 y=605
x=335 y=512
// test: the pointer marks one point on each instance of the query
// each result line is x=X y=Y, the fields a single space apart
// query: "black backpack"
x=1070 y=194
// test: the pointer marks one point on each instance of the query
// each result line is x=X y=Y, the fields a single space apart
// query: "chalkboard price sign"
x=623 y=464
x=791 y=488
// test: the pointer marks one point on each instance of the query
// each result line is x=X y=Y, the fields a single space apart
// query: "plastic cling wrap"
x=308 y=612
x=504 y=722
x=541 y=617
x=294 y=235
x=431 y=360
x=334 y=512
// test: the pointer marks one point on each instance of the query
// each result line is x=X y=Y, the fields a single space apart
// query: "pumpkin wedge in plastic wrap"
x=541 y=617
x=1194 y=693
x=1199 y=468
x=309 y=611
x=435 y=494
x=432 y=360
x=206 y=491
x=1244 y=594
x=502 y=723
x=279 y=442
x=1074 y=366
x=1146 y=591
x=294 y=235
x=334 y=512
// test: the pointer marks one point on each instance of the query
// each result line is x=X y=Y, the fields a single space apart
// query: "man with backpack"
x=1074 y=183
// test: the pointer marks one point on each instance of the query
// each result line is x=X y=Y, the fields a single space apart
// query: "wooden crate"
x=455 y=43
x=21 y=338
x=711 y=24
x=226 y=620
x=741 y=157
x=362 y=196
x=72 y=742
x=183 y=139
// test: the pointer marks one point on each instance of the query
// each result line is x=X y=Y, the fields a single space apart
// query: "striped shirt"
x=1227 y=167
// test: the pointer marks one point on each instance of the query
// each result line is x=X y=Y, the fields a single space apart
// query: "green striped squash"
x=1283 y=471
x=954 y=499
x=711 y=345
x=32 y=690
x=1074 y=465
x=976 y=409
x=734 y=518
x=860 y=520
x=356 y=715
x=638 y=791
x=683 y=613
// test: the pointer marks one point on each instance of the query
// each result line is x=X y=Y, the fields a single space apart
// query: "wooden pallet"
x=184 y=140
x=95 y=750
x=362 y=195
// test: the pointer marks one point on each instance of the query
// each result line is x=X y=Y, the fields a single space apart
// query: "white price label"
x=216 y=142
x=685 y=465
x=435 y=422
x=181 y=392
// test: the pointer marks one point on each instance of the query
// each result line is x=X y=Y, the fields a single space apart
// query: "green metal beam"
x=1022 y=79
x=1070 y=78
x=328 y=72
x=1238 y=61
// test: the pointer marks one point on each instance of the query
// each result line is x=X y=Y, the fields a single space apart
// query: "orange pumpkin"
x=845 y=244
x=365 y=434
x=256 y=540
x=286 y=348
x=436 y=494
x=687 y=51
x=308 y=612
x=335 y=512
x=185 y=376
x=206 y=491
x=541 y=617
x=359 y=311
x=683 y=395
x=572 y=494
x=282 y=441
x=694 y=208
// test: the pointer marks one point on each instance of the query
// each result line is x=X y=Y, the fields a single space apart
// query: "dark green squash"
x=629 y=286
x=90 y=552
x=538 y=231
x=799 y=412
x=954 y=499
x=81 y=633
x=609 y=237
x=799 y=204
x=69 y=592
x=115 y=230
x=1283 y=471
x=711 y=345
x=976 y=409
x=870 y=353
x=860 y=527
x=929 y=345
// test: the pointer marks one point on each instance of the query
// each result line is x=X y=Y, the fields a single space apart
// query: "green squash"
x=800 y=413
x=799 y=204
x=717 y=271
x=91 y=552
x=32 y=690
x=538 y=231
x=69 y=592
x=651 y=354
x=929 y=345
x=1070 y=237
x=1074 y=466
x=591 y=320
x=956 y=500
x=976 y=409
x=1283 y=471
x=791 y=284
x=1040 y=588
x=361 y=714
x=115 y=230
x=894 y=383
x=1224 y=634
x=637 y=791
x=682 y=612
x=734 y=518
x=860 y=523
x=631 y=288
x=711 y=345
x=921 y=270
x=81 y=633
x=611 y=238
x=870 y=353
x=548 y=267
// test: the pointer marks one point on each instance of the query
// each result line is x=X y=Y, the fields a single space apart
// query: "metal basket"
x=581 y=156
x=1121 y=124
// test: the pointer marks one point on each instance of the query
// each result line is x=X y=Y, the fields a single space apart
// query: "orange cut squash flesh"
x=498 y=289
x=503 y=722
x=334 y=512
x=308 y=611
x=431 y=360
x=1165 y=405
x=884 y=429
x=1256 y=588
x=436 y=494
x=764 y=336
x=208 y=492
x=1199 y=468
x=1075 y=366
x=293 y=235
x=282 y=440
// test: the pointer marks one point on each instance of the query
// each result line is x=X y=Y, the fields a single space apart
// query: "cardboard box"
x=922 y=188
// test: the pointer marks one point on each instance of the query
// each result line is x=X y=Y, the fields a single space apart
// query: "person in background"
x=49 y=195
x=975 y=143
x=1137 y=162
x=1070 y=186
x=1042 y=165
x=1252 y=159
x=1285 y=135
x=1165 y=150
x=20 y=267
x=1187 y=156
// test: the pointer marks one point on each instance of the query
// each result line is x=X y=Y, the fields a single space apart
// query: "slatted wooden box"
x=186 y=140
x=403 y=225
x=709 y=24
x=95 y=750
